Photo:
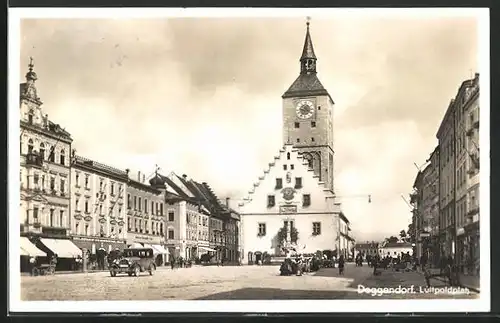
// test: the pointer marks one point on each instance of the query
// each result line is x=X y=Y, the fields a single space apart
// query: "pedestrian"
x=32 y=265
x=172 y=263
x=341 y=265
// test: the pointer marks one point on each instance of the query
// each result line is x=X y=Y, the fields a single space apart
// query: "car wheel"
x=136 y=271
x=130 y=273
x=113 y=273
x=152 y=269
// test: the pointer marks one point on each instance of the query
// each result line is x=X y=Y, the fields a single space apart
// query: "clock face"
x=305 y=109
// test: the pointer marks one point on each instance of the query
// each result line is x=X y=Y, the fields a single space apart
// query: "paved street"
x=245 y=282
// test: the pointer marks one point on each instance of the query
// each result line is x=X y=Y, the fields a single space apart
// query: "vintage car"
x=133 y=261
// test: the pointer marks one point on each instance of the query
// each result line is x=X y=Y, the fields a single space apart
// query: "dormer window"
x=30 y=117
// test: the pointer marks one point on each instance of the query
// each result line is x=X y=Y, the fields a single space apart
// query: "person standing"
x=32 y=263
x=341 y=265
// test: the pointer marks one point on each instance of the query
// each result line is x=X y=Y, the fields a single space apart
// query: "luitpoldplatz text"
x=380 y=291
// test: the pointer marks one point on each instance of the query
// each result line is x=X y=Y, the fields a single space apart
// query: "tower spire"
x=308 y=58
x=31 y=76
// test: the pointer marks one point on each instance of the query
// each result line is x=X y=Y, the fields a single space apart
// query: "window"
x=312 y=139
x=62 y=186
x=77 y=180
x=77 y=203
x=77 y=227
x=262 y=229
x=112 y=189
x=52 y=183
x=61 y=157
x=51 y=218
x=100 y=209
x=270 y=201
x=30 y=117
x=298 y=139
x=153 y=208
x=129 y=223
x=171 y=234
x=86 y=229
x=285 y=167
x=35 y=214
x=279 y=183
x=161 y=208
x=146 y=205
x=171 y=216
x=306 y=200
x=292 y=167
x=61 y=219
x=161 y=228
x=140 y=204
x=297 y=125
x=298 y=182
x=30 y=146
x=135 y=202
x=129 y=200
x=136 y=227
x=87 y=181
x=310 y=162
x=313 y=124
x=35 y=180
x=43 y=182
x=42 y=151
x=316 y=228
x=52 y=154
x=86 y=206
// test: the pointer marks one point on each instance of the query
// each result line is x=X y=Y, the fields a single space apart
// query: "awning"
x=155 y=251
x=207 y=249
x=136 y=245
x=29 y=249
x=160 y=249
x=63 y=248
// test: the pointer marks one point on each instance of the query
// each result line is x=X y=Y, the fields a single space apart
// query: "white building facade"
x=98 y=205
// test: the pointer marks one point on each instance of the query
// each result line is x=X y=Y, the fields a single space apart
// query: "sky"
x=202 y=96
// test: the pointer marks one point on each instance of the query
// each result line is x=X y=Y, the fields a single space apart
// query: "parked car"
x=134 y=261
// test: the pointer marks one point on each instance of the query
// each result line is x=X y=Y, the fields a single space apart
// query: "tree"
x=402 y=234
x=411 y=233
x=392 y=239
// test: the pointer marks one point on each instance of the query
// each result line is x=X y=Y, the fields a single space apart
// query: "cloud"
x=203 y=96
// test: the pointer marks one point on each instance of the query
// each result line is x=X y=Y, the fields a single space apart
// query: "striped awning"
x=29 y=249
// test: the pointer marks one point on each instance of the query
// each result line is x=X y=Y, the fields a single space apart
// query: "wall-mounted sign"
x=288 y=209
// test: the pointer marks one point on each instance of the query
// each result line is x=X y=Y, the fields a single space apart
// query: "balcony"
x=473 y=211
x=475 y=124
x=54 y=231
x=33 y=159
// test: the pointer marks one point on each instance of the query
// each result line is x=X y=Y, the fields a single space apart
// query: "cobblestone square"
x=212 y=283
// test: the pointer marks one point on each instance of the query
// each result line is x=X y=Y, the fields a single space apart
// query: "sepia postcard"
x=282 y=160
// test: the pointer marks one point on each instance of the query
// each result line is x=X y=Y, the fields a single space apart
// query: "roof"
x=135 y=184
x=308 y=50
x=418 y=179
x=305 y=85
x=343 y=217
x=397 y=245
x=93 y=166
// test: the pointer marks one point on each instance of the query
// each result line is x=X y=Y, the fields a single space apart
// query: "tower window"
x=298 y=139
x=312 y=139
x=297 y=125
x=313 y=124
x=319 y=107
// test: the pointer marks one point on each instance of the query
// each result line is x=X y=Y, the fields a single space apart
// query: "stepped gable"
x=282 y=154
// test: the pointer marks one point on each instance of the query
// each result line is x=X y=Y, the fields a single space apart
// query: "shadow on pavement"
x=275 y=293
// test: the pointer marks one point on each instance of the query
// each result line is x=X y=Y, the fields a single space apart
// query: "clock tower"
x=308 y=117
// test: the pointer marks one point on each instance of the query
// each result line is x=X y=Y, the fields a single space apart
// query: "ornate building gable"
x=291 y=183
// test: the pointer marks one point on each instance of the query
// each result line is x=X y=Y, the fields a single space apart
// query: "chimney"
x=139 y=176
x=227 y=201
x=143 y=178
x=127 y=170
x=184 y=176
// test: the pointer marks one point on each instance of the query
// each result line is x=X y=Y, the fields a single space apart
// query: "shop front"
x=29 y=251
x=98 y=249
x=154 y=242
x=472 y=247
x=63 y=252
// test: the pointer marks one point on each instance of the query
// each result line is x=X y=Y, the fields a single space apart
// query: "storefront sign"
x=288 y=209
x=143 y=238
